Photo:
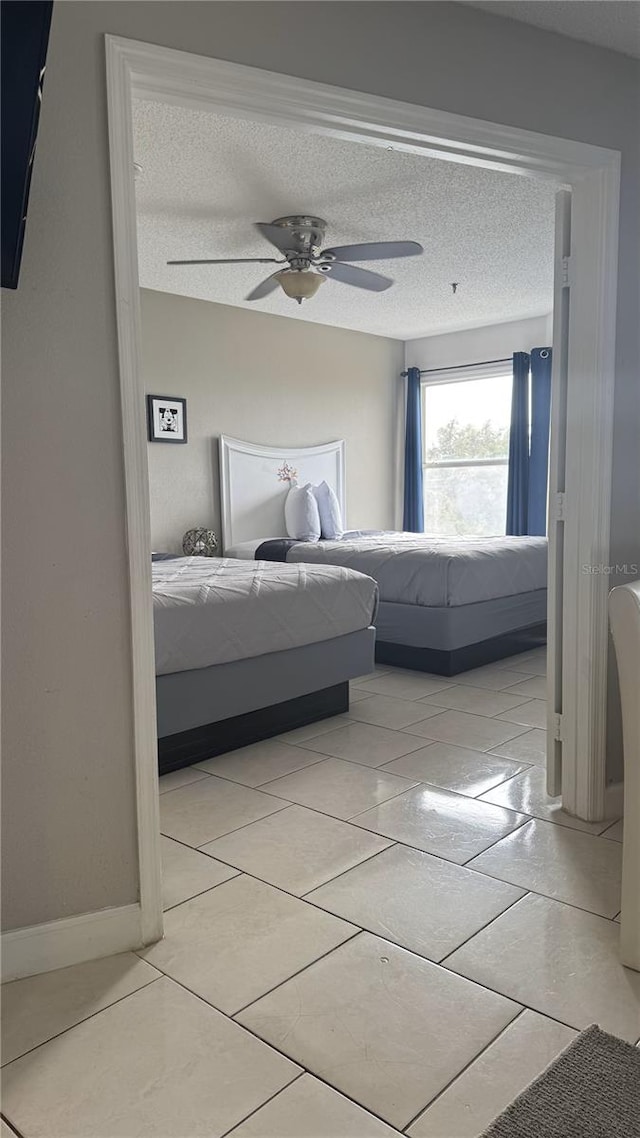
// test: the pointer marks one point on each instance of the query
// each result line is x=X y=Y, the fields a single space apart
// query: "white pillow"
x=301 y=514
x=329 y=509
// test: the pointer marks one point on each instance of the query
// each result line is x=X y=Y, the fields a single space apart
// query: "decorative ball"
x=199 y=542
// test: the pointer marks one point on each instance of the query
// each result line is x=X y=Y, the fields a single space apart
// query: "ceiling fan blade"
x=360 y=278
x=231 y=261
x=374 y=251
x=264 y=288
x=277 y=235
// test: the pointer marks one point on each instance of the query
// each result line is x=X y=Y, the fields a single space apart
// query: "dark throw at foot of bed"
x=451 y=663
x=187 y=747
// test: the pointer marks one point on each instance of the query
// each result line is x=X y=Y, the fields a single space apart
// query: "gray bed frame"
x=207 y=711
x=447 y=641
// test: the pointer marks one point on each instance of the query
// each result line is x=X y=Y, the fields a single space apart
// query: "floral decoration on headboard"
x=287 y=473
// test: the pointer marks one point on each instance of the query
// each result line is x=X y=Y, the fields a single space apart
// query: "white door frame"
x=593 y=173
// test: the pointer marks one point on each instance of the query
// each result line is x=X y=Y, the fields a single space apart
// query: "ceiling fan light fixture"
x=299 y=284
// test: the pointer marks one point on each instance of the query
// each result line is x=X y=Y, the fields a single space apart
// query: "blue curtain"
x=539 y=446
x=529 y=443
x=413 y=519
x=518 y=483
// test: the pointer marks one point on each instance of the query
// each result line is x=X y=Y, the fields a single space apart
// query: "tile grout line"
x=356 y=762
x=437 y=963
x=392 y=842
x=538 y=817
x=461 y=865
x=316 y=1075
x=200 y=849
x=286 y=803
x=491 y=845
x=289 y=802
x=350 y=819
x=475 y=797
x=295 y=896
x=446 y=956
x=285 y=806
x=443 y=964
x=421 y=782
x=458 y=711
x=491 y=1042
x=14 y=1129
x=533 y=892
x=522 y=1006
x=231 y=1015
x=194 y=896
x=305 y=896
x=398 y=842
x=92 y=1015
x=191 y=766
x=514 y=999
x=338 y=759
x=486 y=692
x=382 y=767
x=272 y=1046
x=246 y=1118
x=269 y=1044
x=259 y=785
x=358 y=931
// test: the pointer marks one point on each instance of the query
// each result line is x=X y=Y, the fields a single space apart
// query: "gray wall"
x=270 y=380
x=68 y=782
x=473 y=345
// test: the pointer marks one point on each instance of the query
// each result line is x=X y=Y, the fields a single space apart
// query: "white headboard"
x=253 y=496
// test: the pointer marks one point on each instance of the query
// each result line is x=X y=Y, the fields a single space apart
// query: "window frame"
x=502 y=369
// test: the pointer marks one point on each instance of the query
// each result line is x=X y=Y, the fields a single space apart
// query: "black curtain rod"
x=459 y=367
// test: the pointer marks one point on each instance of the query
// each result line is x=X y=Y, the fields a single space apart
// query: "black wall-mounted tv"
x=24 y=29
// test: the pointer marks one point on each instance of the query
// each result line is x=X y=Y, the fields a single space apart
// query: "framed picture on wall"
x=167 y=419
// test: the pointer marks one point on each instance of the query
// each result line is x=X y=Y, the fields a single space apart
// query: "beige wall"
x=473 y=345
x=269 y=380
x=69 y=823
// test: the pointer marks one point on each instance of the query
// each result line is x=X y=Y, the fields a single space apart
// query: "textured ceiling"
x=206 y=178
x=608 y=23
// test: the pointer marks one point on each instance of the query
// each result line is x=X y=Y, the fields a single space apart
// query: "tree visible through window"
x=466 y=452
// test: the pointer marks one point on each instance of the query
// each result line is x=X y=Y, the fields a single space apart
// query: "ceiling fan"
x=299 y=238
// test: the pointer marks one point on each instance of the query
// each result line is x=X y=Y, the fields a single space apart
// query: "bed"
x=446 y=605
x=247 y=649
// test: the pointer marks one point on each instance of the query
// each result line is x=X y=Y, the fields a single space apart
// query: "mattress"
x=420 y=569
x=210 y=611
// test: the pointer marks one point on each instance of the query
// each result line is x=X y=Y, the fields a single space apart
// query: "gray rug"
x=592 y=1090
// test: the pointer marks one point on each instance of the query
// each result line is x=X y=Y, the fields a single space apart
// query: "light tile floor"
x=375 y=925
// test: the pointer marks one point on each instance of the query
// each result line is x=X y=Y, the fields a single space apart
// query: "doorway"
x=584 y=338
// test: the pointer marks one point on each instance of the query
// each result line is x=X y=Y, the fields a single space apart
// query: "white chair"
x=624 y=614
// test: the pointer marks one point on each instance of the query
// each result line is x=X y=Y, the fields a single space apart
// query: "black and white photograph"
x=167 y=419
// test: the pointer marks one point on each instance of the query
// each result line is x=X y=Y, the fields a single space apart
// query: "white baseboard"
x=72 y=940
x=614 y=800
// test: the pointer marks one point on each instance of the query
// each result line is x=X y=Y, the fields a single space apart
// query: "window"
x=466 y=452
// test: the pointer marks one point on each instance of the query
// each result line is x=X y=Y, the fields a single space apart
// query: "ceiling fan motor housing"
x=307 y=233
